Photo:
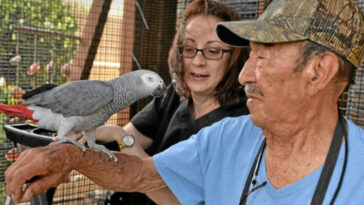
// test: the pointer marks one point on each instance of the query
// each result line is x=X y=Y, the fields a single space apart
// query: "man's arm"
x=52 y=164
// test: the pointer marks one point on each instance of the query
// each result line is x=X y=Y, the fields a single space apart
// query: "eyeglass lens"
x=211 y=53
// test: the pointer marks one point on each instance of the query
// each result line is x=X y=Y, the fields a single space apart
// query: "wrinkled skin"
x=52 y=164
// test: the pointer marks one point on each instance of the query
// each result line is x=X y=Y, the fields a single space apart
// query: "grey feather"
x=81 y=106
x=77 y=98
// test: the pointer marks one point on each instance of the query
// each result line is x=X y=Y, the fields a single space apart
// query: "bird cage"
x=56 y=41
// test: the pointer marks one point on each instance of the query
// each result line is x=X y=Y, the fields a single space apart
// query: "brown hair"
x=228 y=91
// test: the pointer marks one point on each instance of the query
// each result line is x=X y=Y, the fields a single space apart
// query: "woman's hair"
x=228 y=92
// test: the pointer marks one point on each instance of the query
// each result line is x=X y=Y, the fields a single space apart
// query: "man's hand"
x=49 y=165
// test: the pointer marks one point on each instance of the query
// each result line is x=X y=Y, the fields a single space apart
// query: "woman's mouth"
x=199 y=76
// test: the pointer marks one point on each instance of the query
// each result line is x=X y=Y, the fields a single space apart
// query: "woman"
x=205 y=85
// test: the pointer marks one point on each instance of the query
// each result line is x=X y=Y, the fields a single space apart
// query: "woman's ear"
x=322 y=69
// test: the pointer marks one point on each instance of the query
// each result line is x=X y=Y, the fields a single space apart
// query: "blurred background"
x=55 y=41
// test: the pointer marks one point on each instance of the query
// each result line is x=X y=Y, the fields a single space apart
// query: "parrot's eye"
x=150 y=79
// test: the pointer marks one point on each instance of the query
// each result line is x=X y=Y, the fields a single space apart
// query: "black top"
x=167 y=120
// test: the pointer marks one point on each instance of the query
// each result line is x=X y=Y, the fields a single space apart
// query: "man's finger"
x=40 y=186
x=18 y=173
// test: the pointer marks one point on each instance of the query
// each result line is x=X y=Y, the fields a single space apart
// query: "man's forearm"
x=130 y=174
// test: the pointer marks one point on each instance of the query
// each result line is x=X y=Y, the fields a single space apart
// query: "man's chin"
x=257 y=121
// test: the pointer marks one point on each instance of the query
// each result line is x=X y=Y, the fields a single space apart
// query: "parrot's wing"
x=76 y=98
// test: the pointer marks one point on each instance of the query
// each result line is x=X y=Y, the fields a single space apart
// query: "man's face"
x=276 y=92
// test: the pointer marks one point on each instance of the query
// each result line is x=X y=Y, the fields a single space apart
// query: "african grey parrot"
x=82 y=106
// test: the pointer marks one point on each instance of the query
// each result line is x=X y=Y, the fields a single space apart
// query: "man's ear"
x=321 y=70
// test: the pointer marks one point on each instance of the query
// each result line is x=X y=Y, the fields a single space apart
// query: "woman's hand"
x=105 y=133
x=109 y=133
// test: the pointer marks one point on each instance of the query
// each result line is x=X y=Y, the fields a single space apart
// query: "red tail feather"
x=17 y=110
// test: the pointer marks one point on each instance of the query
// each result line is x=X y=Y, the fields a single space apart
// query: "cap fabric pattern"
x=335 y=24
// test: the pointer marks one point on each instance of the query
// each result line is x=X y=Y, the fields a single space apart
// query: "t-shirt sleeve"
x=192 y=167
x=180 y=167
x=183 y=166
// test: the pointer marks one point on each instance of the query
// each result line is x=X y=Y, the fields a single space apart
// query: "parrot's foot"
x=105 y=150
x=72 y=141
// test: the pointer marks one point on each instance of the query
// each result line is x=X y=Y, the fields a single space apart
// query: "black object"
x=29 y=135
x=33 y=136
x=38 y=90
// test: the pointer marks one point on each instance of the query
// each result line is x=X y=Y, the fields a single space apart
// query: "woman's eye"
x=188 y=49
x=213 y=50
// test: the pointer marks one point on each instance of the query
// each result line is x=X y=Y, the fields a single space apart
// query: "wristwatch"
x=127 y=141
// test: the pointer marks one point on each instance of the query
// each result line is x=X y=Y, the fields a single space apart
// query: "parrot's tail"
x=17 y=110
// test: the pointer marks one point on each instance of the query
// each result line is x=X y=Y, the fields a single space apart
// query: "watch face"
x=128 y=140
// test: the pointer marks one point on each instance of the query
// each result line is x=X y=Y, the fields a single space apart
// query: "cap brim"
x=240 y=33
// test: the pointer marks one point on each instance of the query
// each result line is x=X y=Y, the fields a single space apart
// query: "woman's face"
x=203 y=75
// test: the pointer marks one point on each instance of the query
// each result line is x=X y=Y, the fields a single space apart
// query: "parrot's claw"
x=72 y=141
x=105 y=150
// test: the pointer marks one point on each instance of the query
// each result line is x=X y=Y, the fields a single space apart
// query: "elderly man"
x=294 y=148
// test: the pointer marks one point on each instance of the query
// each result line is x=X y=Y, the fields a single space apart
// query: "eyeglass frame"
x=180 y=51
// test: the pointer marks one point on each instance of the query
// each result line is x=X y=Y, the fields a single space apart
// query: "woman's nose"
x=199 y=59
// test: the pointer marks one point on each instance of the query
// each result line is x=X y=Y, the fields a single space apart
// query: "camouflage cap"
x=335 y=24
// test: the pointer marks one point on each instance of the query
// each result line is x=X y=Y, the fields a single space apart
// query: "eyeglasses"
x=210 y=53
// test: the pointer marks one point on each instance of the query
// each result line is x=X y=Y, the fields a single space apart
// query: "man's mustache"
x=253 y=89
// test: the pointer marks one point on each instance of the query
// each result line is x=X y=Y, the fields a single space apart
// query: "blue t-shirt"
x=211 y=167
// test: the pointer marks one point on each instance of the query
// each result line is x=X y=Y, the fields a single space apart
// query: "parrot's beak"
x=160 y=90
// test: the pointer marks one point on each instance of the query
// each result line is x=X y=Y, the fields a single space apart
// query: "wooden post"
x=90 y=39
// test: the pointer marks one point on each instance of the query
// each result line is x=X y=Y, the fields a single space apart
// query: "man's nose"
x=247 y=74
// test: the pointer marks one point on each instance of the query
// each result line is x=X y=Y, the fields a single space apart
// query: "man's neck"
x=292 y=154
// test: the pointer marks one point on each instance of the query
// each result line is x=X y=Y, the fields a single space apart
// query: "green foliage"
x=52 y=15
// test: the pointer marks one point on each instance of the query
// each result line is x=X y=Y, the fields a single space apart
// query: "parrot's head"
x=149 y=83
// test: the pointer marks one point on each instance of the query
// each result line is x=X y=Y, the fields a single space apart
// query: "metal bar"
x=142 y=14
x=136 y=60
x=40 y=199
x=39 y=31
x=9 y=201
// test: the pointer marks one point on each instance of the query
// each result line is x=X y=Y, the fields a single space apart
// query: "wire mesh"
x=352 y=100
x=40 y=43
x=247 y=9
